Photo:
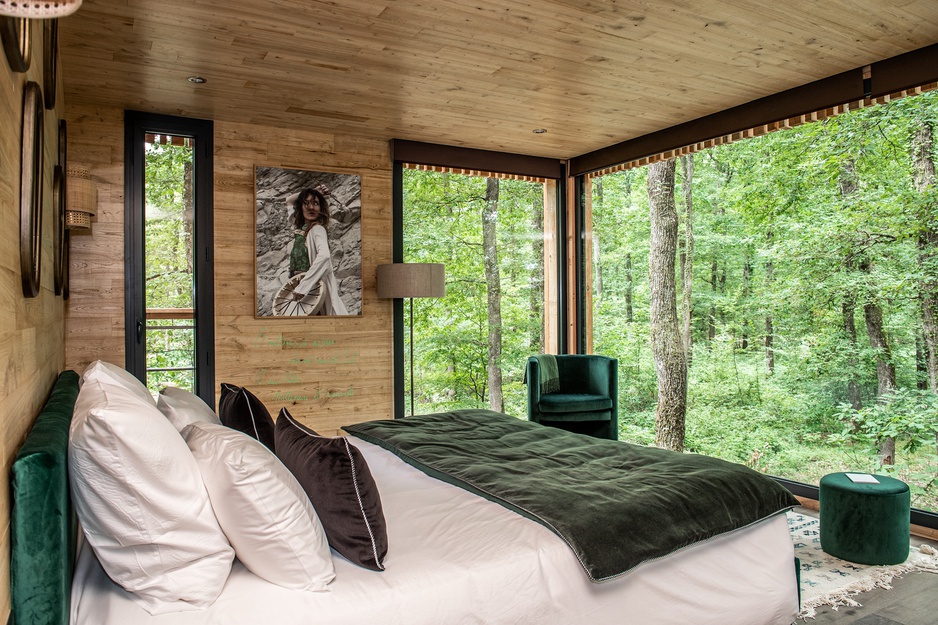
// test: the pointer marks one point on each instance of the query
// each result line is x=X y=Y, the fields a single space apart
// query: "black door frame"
x=136 y=125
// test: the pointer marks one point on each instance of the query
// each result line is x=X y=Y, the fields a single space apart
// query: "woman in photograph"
x=310 y=254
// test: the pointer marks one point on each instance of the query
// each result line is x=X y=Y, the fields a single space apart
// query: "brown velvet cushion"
x=336 y=478
x=240 y=409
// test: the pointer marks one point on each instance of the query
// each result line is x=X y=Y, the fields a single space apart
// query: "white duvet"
x=456 y=558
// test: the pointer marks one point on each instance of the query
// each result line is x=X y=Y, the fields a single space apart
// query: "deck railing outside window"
x=170 y=340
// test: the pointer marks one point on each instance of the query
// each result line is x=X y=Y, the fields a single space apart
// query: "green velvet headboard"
x=43 y=527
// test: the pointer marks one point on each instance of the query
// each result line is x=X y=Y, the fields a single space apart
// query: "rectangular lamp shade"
x=405 y=280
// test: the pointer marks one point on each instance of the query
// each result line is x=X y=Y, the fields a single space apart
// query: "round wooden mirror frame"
x=59 y=202
x=31 y=189
x=17 y=42
x=50 y=53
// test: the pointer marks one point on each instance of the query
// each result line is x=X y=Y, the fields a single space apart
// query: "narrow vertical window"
x=169 y=216
x=496 y=236
x=168 y=291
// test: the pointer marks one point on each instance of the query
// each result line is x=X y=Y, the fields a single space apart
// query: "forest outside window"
x=497 y=237
x=804 y=267
x=169 y=220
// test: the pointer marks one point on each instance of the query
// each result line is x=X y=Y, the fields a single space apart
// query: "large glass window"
x=811 y=296
x=470 y=347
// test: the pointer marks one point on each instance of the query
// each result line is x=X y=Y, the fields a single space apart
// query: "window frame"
x=136 y=125
x=479 y=162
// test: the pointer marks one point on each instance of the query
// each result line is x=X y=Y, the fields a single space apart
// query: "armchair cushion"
x=575 y=402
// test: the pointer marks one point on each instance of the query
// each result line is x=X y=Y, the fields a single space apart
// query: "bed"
x=453 y=557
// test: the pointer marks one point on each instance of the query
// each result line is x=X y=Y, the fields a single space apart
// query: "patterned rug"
x=825 y=580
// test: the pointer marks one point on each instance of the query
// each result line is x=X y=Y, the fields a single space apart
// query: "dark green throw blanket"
x=548 y=373
x=616 y=504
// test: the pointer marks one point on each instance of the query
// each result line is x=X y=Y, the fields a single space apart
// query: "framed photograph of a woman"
x=308 y=243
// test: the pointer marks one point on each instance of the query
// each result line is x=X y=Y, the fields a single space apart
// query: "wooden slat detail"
x=473 y=172
x=170 y=313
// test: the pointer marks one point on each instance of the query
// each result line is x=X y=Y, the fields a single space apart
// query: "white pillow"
x=141 y=502
x=182 y=408
x=261 y=507
x=106 y=373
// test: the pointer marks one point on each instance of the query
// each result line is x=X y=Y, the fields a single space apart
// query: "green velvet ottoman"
x=865 y=523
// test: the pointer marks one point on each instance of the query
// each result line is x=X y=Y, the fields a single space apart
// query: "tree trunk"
x=666 y=344
x=687 y=258
x=493 y=289
x=597 y=272
x=848 y=312
x=712 y=317
x=923 y=175
x=597 y=267
x=885 y=369
x=629 y=317
x=849 y=185
x=769 y=326
x=747 y=297
x=717 y=275
x=188 y=212
x=921 y=362
x=536 y=278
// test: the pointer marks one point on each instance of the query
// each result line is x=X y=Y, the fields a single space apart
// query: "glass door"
x=168 y=279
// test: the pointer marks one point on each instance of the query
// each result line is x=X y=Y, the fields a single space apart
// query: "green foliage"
x=910 y=416
x=783 y=204
x=168 y=264
x=168 y=244
x=443 y=224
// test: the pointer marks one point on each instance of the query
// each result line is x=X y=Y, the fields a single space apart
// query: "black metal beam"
x=480 y=160
x=893 y=75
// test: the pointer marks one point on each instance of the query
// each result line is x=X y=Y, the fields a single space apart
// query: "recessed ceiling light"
x=540 y=131
x=198 y=80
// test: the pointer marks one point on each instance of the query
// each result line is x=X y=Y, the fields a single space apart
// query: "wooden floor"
x=913 y=600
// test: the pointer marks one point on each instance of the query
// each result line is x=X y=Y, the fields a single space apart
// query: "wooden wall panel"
x=31 y=330
x=95 y=313
x=328 y=372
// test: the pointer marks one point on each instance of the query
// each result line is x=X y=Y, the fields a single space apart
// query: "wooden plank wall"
x=94 y=318
x=31 y=330
x=327 y=371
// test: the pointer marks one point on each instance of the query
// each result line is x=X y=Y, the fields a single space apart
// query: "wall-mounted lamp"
x=407 y=281
x=81 y=198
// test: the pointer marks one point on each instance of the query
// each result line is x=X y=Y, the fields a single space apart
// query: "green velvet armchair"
x=583 y=398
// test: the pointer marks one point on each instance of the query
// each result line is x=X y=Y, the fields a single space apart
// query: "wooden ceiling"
x=481 y=74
